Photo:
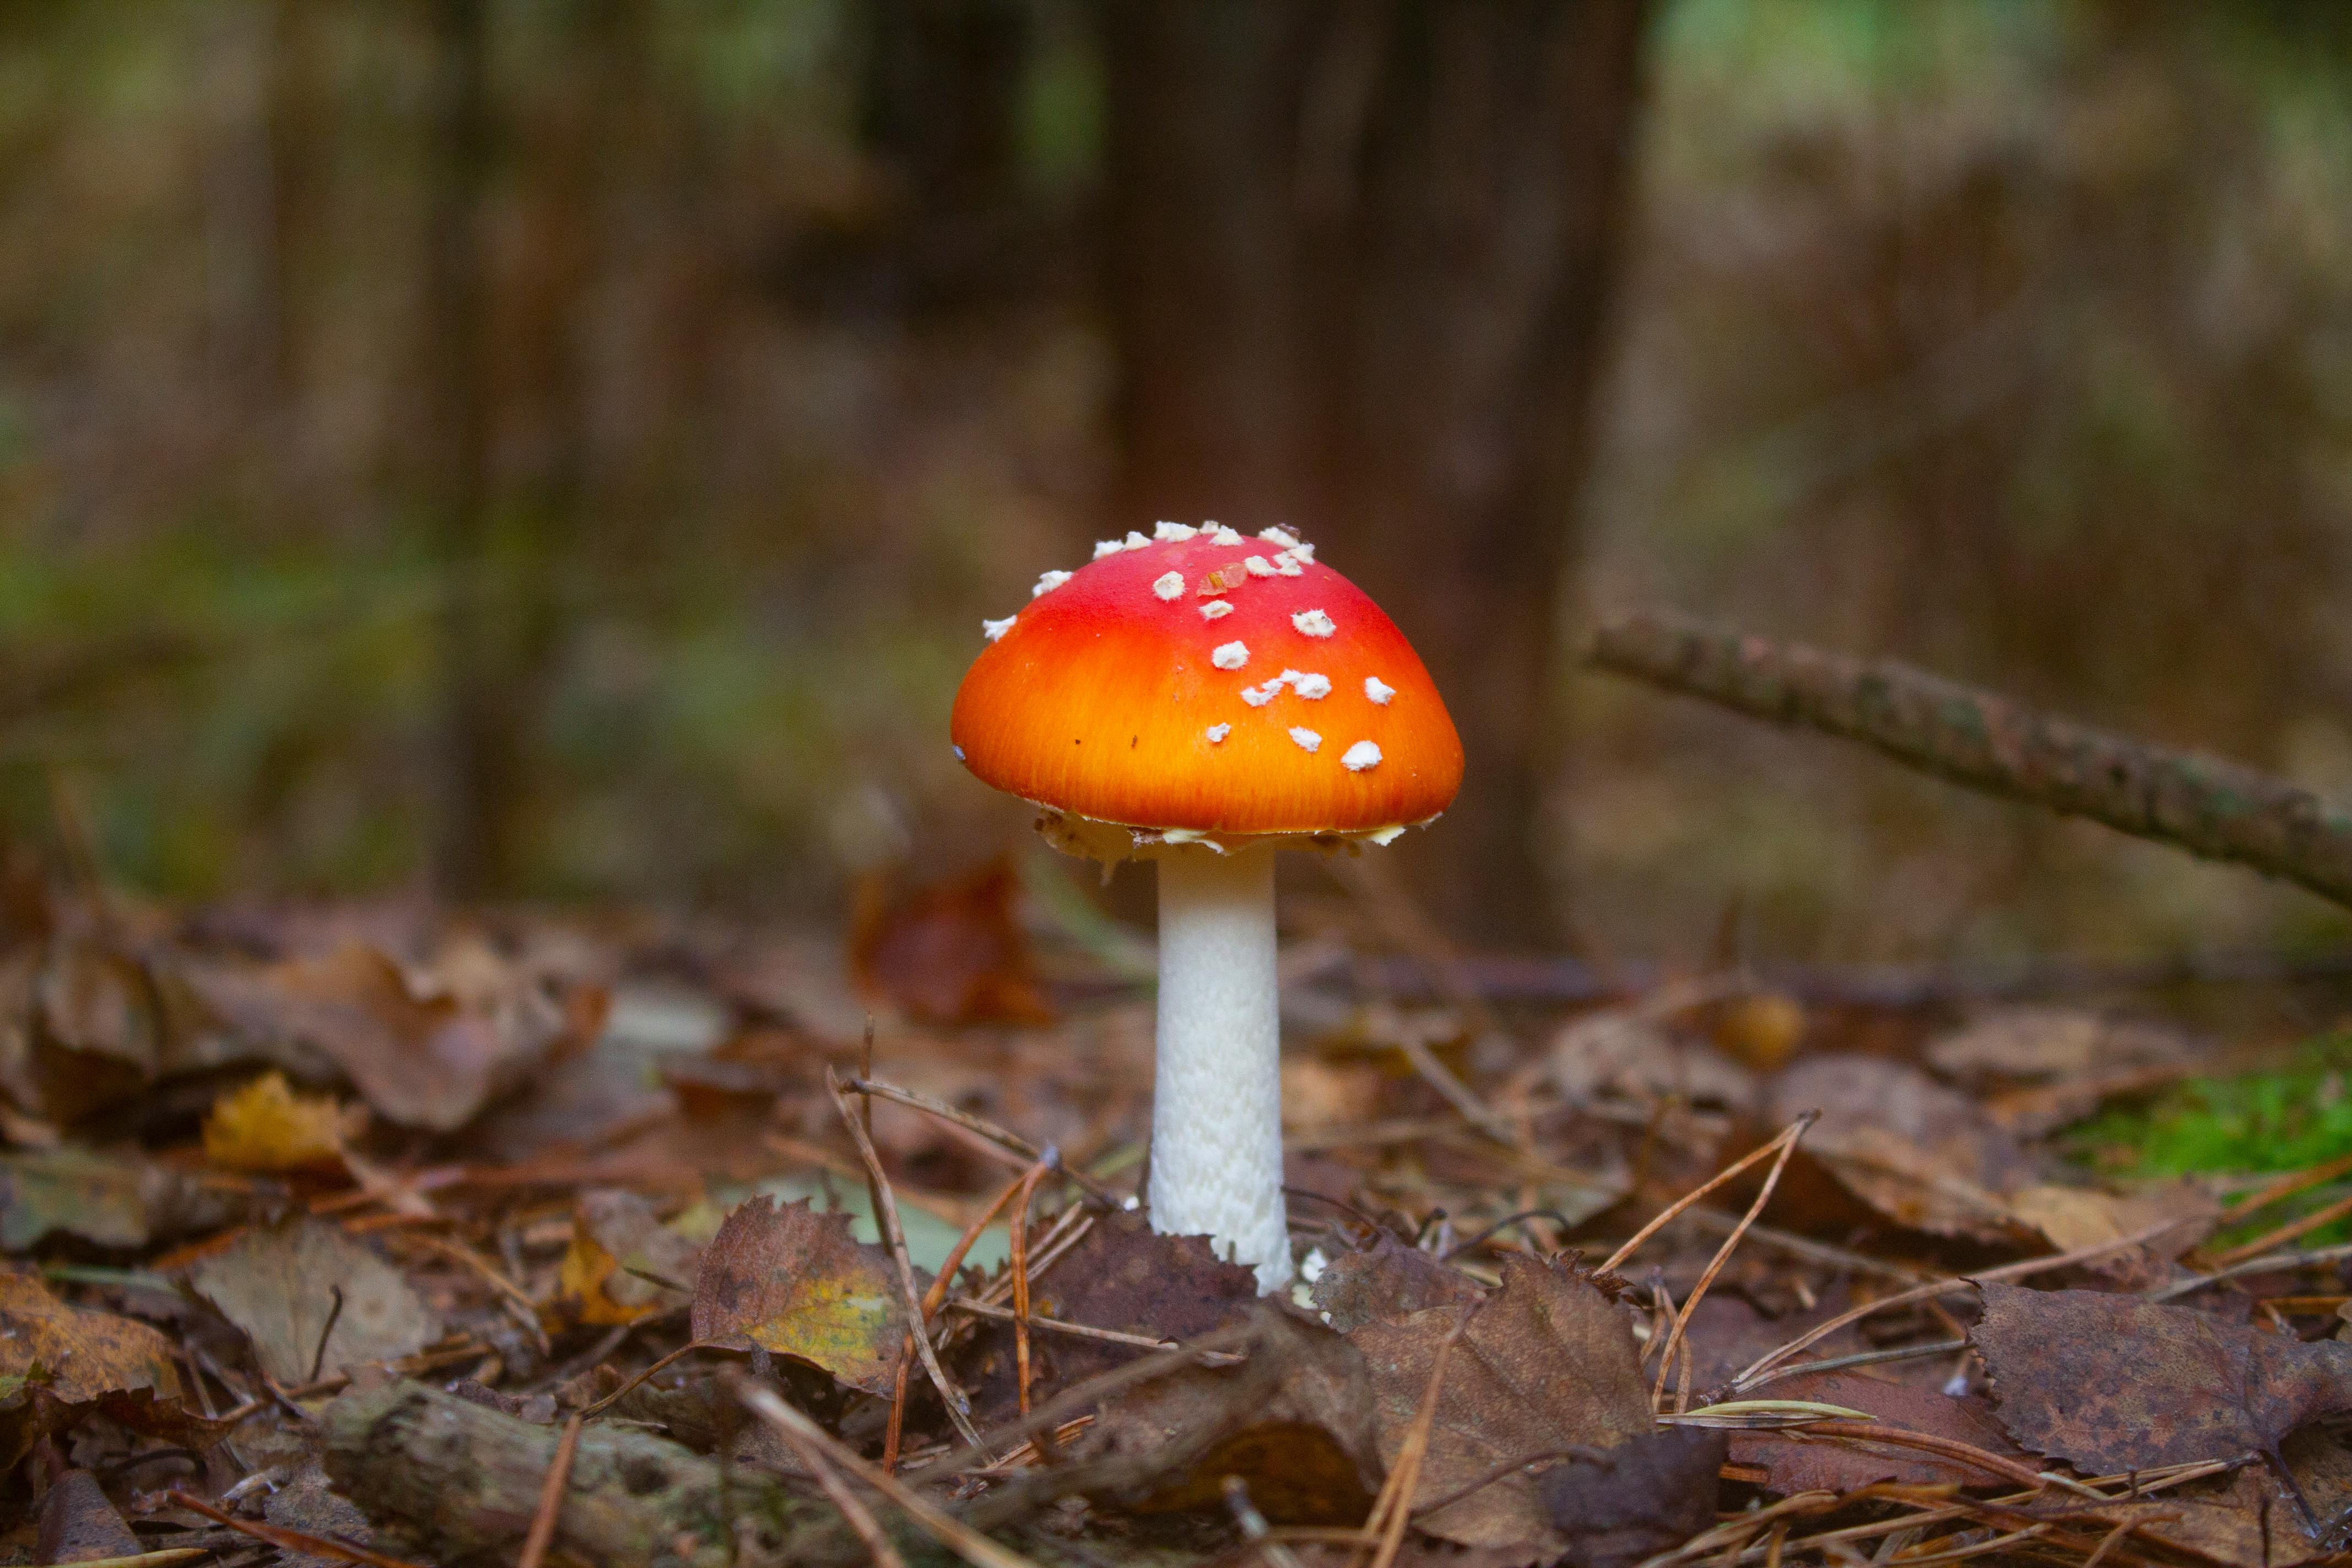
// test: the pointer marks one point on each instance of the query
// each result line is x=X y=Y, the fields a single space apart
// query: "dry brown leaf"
x=1797 y=1463
x=313 y=1301
x=1385 y=1281
x=84 y=1353
x=2112 y=1384
x=2250 y=1517
x=266 y=1128
x=79 y=1525
x=80 y=1033
x=2034 y=1044
x=1623 y=1505
x=2072 y=1218
x=619 y=1251
x=950 y=952
x=1921 y=1155
x=420 y=1060
x=795 y=1282
x=1548 y=1366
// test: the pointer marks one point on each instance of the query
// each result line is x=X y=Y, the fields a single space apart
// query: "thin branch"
x=551 y=1494
x=2209 y=808
x=1004 y=1138
x=1788 y=1141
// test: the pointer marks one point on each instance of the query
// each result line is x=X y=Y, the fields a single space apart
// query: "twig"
x=1667 y=1217
x=1754 y=1372
x=600 y=1406
x=551 y=1494
x=1002 y=1136
x=1253 y=1525
x=2292 y=1230
x=887 y=1216
x=2263 y=1264
x=2207 y=806
x=289 y=1539
x=828 y=1479
x=1950 y=1447
x=168 y=1557
x=334 y=1316
x=894 y=1431
x=1081 y=1331
x=946 y=1529
x=1788 y=1141
x=1862 y=1358
x=1392 y=1510
x=1021 y=1203
x=2286 y=1186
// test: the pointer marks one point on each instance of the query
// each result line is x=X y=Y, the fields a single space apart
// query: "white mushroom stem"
x=1216 y=1105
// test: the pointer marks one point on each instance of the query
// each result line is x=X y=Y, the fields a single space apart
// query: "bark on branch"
x=2209 y=808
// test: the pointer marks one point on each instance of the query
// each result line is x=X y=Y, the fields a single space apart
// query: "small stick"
x=1392 y=1511
x=1936 y=1288
x=2250 y=1265
x=1020 y=1278
x=1083 y=1331
x=601 y=1405
x=2286 y=1186
x=1950 y=1448
x=865 y=1117
x=334 y=1316
x=288 y=1540
x=837 y=1491
x=888 y=1216
x=168 y=1557
x=1676 y=1208
x=1788 y=1141
x=945 y=1528
x=2292 y=1230
x=551 y=1494
x=1254 y=1528
x=894 y=1431
x=1863 y=1358
x=1003 y=1136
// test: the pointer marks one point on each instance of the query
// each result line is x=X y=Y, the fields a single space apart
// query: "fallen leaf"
x=85 y=1034
x=1548 y=1366
x=2110 y=1384
x=310 y=1504
x=265 y=1127
x=2248 y=1518
x=793 y=1281
x=1385 y=1281
x=1915 y=1152
x=117 y=1201
x=619 y=1249
x=950 y=952
x=420 y=1060
x=1798 y=1463
x=59 y=1362
x=286 y=1285
x=2074 y=1218
x=1295 y=1420
x=1625 y=1504
x=1610 y=1057
x=2035 y=1045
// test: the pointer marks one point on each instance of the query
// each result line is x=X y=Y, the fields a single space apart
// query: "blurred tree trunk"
x=476 y=755
x=1361 y=255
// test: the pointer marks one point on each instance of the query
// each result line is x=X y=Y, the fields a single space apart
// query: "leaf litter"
x=333 y=1220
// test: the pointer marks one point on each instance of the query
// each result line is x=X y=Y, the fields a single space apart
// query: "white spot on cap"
x=992 y=630
x=1108 y=547
x=1314 y=623
x=1379 y=691
x=1259 y=696
x=1303 y=552
x=1259 y=566
x=1281 y=536
x=1308 y=685
x=1308 y=738
x=1361 y=755
x=958 y=751
x=1287 y=566
x=1169 y=585
x=1386 y=836
x=1230 y=656
x=1173 y=532
x=1135 y=540
x=1215 y=608
x=1048 y=582
x=1217 y=732
x=1224 y=535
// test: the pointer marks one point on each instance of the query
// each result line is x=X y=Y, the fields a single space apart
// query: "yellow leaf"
x=267 y=1127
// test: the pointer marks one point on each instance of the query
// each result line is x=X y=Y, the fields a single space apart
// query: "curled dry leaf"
x=1548 y=1366
x=432 y=1061
x=621 y=1251
x=2112 y=1384
x=793 y=1281
x=311 y=1299
x=1621 y=1506
x=266 y=1128
x=1386 y=1281
x=119 y=1201
x=59 y=1362
x=1921 y=1155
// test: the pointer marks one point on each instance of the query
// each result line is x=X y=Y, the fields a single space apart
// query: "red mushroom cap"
x=1120 y=694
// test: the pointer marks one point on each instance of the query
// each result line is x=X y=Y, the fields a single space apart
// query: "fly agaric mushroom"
x=1148 y=723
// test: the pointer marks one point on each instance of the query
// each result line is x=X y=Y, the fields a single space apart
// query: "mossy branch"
x=2207 y=806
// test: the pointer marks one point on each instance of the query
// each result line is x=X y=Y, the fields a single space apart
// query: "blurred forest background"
x=563 y=449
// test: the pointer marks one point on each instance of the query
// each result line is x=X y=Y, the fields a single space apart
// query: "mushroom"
x=1142 y=730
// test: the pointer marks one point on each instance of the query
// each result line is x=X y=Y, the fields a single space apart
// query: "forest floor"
x=363 y=1234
